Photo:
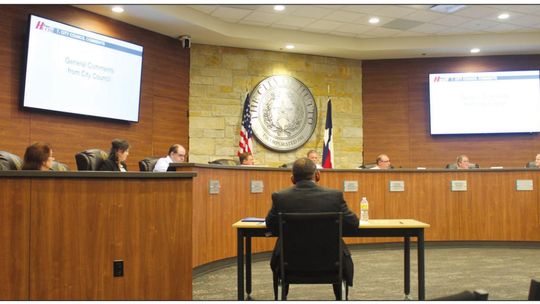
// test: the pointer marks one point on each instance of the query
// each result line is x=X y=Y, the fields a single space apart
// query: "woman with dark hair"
x=38 y=156
x=117 y=156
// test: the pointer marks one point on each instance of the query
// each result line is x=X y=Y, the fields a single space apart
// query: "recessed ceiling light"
x=475 y=50
x=118 y=9
x=279 y=8
x=289 y=46
x=503 y=16
x=374 y=20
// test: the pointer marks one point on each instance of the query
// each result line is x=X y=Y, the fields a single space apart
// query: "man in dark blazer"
x=306 y=196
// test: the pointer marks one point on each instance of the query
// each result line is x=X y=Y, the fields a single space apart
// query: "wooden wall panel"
x=14 y=238
x=164 y=92
x=80 y=227
x=491 y=209
x=396 y=115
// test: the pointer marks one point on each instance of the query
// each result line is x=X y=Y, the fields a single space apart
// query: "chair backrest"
x=311 y=247
x=287 y=165
x=56 y=166
x=372 y=165
x=476 y=295
x=148 y=163
x=531 y=164
x=225 y=162
x=454 y=166
x=90 y=160
x=534 y=290
x=9 y=161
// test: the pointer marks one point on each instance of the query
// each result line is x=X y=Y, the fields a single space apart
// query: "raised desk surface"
x=374 y=223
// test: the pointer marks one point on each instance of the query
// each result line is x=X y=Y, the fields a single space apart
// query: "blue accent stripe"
x=95 y=41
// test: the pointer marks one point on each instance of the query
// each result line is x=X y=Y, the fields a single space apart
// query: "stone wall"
x=220 y=77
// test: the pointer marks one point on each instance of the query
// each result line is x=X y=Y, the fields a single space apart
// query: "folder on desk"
x=253 y=219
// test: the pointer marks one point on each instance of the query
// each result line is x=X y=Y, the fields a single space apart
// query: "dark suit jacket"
x=307 y=196
x=110 y=165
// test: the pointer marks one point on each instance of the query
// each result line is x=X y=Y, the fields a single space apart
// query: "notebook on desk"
x=253 y=219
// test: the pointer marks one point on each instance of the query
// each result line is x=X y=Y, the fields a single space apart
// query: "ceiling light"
x=503 y=16
x=374 y=20
x=289 y=46
x=475 y=50
x=447 y=8
x=117 y=9
x=279 y=8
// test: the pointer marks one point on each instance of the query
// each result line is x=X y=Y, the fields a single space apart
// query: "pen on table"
x=400 y=222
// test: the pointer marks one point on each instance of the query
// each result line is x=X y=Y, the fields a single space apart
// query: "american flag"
x=328 y=149
x=246 y=133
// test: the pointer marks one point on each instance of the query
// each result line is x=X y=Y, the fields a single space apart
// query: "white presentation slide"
x=489 y=102
x=75 y=71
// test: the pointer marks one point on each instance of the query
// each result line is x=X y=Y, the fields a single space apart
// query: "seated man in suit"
x=462 y=162
x=314 y=156
x=177 y=154
x=307 y=196
x=537 y=161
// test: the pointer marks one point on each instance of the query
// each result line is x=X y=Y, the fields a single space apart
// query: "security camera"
x=186 y=41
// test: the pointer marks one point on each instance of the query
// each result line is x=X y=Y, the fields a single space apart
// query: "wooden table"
x=405 y=228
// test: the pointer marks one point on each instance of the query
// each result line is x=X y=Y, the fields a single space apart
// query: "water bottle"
x=364 y=210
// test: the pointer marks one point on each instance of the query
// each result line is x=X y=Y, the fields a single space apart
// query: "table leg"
x=240 y=263
x=421 y=268
x=248 y=267
x=407 y=263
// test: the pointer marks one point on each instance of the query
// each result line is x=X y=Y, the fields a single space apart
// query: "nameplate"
x=350 y=186
x=213 y=186
x=397 y=186
x=420 y=168
x=524 y=185
x=458 y=185
x=257 y=186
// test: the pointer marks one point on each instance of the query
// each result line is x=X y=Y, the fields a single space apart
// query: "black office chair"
x=534 y=290
x=225 y=162
x=9 y=161
x=287 y=165
x=372 y=165
x=57 y=166
x=148 y=163
x=531 y=164
x=90 y=160
x=454 y=166
x=476 y=295
x=311 y=251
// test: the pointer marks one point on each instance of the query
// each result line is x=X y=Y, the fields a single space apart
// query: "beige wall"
x=220 y=77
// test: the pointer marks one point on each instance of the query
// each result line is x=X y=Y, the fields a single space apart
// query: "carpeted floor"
x=502 y=269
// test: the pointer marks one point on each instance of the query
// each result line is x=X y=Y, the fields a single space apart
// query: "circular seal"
x=283 y=113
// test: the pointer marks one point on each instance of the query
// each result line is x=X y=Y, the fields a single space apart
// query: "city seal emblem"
x=283 y=113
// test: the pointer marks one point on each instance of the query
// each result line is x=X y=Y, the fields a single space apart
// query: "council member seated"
x=535 y=163
x=38 y=156
x=383 y=162
x=117 y=157
x=306 y=197
x=177 y=154
x=246 y=159
x=462 y=162
x=314 y=156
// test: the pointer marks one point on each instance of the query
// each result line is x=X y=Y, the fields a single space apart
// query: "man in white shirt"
x=177 y=154
x=314 y=156
x=383 y=162
x=462 y=162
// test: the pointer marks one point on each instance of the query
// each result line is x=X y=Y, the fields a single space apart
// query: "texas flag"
x=328 y=149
